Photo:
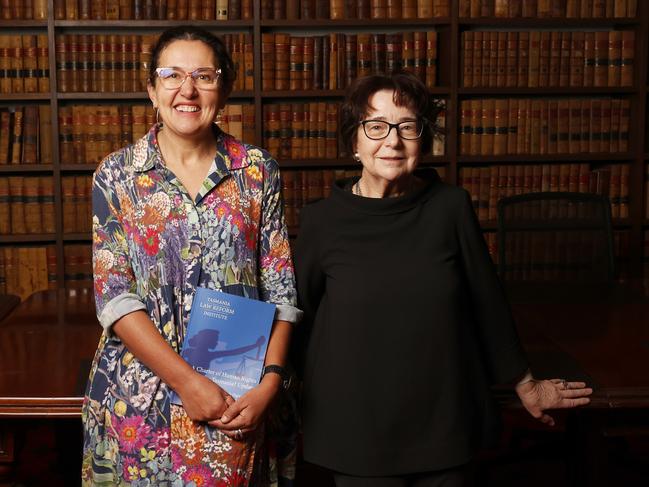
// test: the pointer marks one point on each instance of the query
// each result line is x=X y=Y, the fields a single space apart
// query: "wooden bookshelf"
x=449 y=87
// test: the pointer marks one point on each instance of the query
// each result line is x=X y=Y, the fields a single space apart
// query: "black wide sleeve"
x=502 y=350
x=310 y=280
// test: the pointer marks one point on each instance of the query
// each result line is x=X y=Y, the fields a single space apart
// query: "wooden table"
x=46 y=346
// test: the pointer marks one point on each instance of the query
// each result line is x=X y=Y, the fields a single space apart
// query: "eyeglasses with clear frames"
x=203 y=78
x=380 y=129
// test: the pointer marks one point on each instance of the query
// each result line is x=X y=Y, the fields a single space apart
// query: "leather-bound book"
x=534 y=59
x=424 y=9
x=322 y=10
x=586 y=9
x=584 y=141
x=614 y=57
x=296 y=62
x=544 y=60
x=501 y=60
x=627 y=58
x=378 y=53
x=337 y=9
x=475 y=135
x=30 y=135
x=600 y=77
x=39 y=11
x=311 y=129
x=574 y=126
x=563 y=131
x=331 y=143
x=555 y=59
x=30 y=63
x=511 y=77
x=441 y=8
x=125 y=125
x=285 y=130
x=523 y=59
x=222 y=10
x=577 y=59
x=535 y=126
x=464 y=8
x=266 y=9
x=488 y=127
x=393 y=61
x=378 y=9
x=194 y=10
x=492 y=69
x=589 y=58
x=267 y=61
x=112 y=9
x=316 y=75
x=17 y=202
x=363 y=9
x=514 y=8
x=112 y=66
x=246 y=9
x=308 y=62
x=605 y=127
x=32 y=207
x=624 y=190
x=485 y=59
x=486 y=8
x=97 y=9
x=65 y=134
x=431 y=58
x=564 y=60
x=501 y=120
x=572 y=9
x=350 y=58
x=139 y=121
x=529 y=8
x=333 y=61
x=364 y=57
x=393 y=9
x=78 y=144
x=307 y=9
x=465 y=127
x=16 y=140
x=208 y=9
x=420 y=52
x=595 y=126
x=125 y=9
x=501 y=8
x=558 y=9
x=631 y=8
x=321 y=130
x=612 y=137
x=5 y=209
x=409 y=9
x=543 y=127
x=298 y=129
x=408 y=51
x=282 y=61
x=59 y=9
x=512 y=131
x=44 y=134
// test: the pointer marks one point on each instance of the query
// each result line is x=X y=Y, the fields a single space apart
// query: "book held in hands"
x=226 y=339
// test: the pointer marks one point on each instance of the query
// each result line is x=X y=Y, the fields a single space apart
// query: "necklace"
x=358 y=188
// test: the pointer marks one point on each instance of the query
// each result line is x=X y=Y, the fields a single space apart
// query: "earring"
x=219 y=116
x=157 y=114
x=356 y=157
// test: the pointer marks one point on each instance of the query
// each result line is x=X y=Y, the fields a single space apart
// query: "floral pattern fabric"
x=152 y=246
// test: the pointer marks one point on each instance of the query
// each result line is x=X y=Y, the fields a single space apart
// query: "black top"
x=406 y=325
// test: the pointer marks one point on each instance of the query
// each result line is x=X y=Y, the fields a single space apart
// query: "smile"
x=187 y=108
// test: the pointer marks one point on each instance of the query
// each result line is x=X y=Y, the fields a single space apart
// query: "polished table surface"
x=599 y=335
x=46 y=346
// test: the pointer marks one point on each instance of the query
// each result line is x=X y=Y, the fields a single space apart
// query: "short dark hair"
x=191 y=33
x=408 y=91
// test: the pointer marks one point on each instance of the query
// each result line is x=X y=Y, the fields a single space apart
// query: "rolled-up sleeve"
x=114 y=281
x=277 y=278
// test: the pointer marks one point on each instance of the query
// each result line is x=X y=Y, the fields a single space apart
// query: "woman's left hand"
x=538 y=396
x=247 y=412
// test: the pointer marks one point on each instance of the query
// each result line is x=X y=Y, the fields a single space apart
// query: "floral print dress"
x=152 y=246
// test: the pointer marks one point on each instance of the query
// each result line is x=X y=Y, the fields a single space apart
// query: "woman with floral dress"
x=185 y=206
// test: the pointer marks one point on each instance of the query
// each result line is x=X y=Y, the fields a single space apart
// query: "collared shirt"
x=153 y=245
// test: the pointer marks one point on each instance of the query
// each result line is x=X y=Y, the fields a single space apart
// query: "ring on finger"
x=238 y=434
x=564 y=384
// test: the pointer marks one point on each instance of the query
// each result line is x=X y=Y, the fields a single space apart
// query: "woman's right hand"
x=202 y=399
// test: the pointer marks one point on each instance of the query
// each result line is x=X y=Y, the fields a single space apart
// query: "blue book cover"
x=226 y=339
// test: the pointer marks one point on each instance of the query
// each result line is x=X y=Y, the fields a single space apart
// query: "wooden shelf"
x=135 y=95
x=77 y=167
x=547 y=158
x=21 y=168
x=37 y=237
x=441 y=90
x=590 y=90
x=546 y=22
x=20 y=97
x=348 y=162
x=77 y=237
x=18 y=24
x=328 y=23
x=150 y=24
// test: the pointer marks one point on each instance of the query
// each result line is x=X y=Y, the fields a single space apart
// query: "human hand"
x=202 y=399
x=538 y=396
x=247 y=412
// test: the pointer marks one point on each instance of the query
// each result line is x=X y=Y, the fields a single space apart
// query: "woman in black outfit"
x=406 y=325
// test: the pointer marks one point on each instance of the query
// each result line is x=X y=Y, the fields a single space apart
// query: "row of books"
x=26 y=134
x=572 y=9
x=301 y=187
x=487 y=185
x=24 y=9
x=333 y=61
x=153 y=9
x=118 y=63
x=566 y=257
x=358 y=9
x=88 y=133
x=27 y=205
x=26 y=270
x=544 y=126
x=77 y=204
x=238 y=121
x=544 y=58
x=24 y=64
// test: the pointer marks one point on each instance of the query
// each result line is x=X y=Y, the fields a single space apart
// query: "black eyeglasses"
x=380 y=129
